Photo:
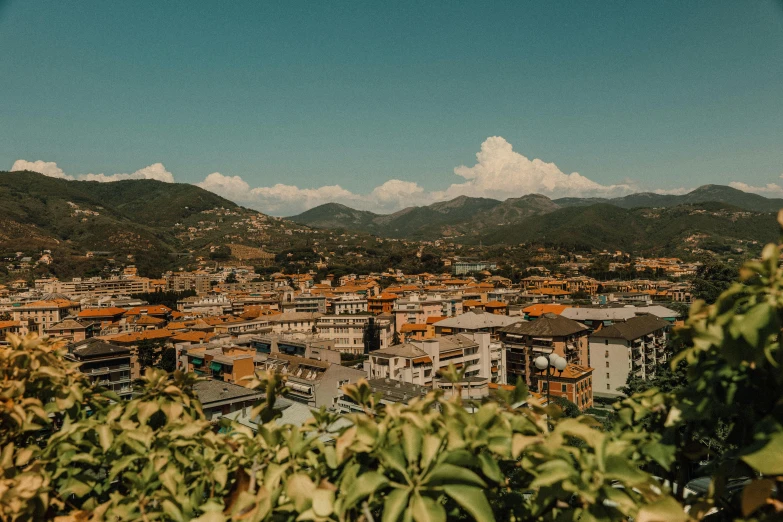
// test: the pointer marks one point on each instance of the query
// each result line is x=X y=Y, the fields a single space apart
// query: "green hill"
x=146 y=219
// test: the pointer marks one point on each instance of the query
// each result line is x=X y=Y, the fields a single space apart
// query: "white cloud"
x=499 y=173
x=770 y=189
x=155 y=171
x=47 y=168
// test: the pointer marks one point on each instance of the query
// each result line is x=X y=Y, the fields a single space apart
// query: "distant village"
x=402 y=332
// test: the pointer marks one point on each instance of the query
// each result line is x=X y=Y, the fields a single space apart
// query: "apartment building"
x=222 y=363
x=637 y=345
x=349 y=304
x=96 y=286
x=225 y=399
x=42 y=315
x=199 y=282
x=106 y=364
x=211 y=304
x=347 y=331
x=550 y=333
x=312 y=382
x=307 y=346
x=416 y=309
x=420 y=362
x=390 y=391
x=574 y=383
x=291 y=322
x=310 y=303
x=381 y=304
x=72 y=330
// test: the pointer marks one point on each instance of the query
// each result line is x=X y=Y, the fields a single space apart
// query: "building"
x=416 y=309
x=467 y=267
x=550 y=333
x=636 y=345
x=72 y=330
x=574 y=383
x=420 y=362
x=391 y=392
x=294 y=322
x=349 y=304
x=310 y=303
x=474 y=322
x=222 y=363
x=381 y=304
x=109 y=314
x=96 y=286
x=42 y=315
x=596 y=318
x=198 y=282
x=347 y=331
x=211 y=304
x=307 y=346
x=225 y=399
x=311 y=382
x=109 y=365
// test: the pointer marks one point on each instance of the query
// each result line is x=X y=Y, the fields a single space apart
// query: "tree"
x=371 y=338
x=712 y=278
x=149 y=353
x=396 y=338
x=168 y=360
x=231 y=278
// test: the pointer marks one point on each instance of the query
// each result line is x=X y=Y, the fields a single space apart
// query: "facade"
x=309 y=303
x=381 y=304
x=550 y=333
x=97 y=286
x=294 y=322
x=391 y=392
x=466 y=267
x=309 y=347
x=416 y=309
x=213 y=304
x=574 y=383
x=349 y=304
x=181 y=281
x=347 y=331
x=71 y=330
x=311 y=382
x=109 y=365
x=420 y=362
x=222 y=363
x=637 y=345
x=42 y=315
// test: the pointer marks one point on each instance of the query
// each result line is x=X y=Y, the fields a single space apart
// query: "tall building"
x=109 y=365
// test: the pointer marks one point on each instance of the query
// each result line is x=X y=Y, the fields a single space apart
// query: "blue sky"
x=285 y=105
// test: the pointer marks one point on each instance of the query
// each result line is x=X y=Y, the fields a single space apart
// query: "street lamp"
x=549 y=364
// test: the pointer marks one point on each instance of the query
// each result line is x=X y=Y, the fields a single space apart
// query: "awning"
x=197 y=360
x=215 y=367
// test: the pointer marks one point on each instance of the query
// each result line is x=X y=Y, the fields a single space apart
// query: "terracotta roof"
x=435 y=318
x=101 y=312
x=135 y=337
x=413 y=328
x=495 y=304
x=472 y=302
x=573 y=371
x=150 y=310
x=537 y=310
x=149 y=320
x=550 y=291
x=192 y=337
x=9 y=324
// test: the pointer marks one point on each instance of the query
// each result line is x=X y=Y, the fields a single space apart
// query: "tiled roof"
x=476 y=321
x=209 y=391
x=632 y=328
x=96 y=347
x=541 y=309
x=401 y=350
x=548 y=325
x=135 y=337
x=101 y=312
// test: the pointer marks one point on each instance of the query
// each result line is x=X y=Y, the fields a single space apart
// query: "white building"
x=349 y=304
x=347 y=331
x=637 y=345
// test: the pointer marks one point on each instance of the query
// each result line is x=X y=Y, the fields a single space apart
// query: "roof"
x=657 y=310
x=477 y=321
x=598 y=314
x=448 y=343
x=96 y=347
x=67 y=324
x=550 y=291
x=495 y=304
x=633 y=328
x=209 y=391
x=410 y=327
x=149 y=309
x=548 y=325
x=294 y=316
x=134 y=337
x=9 y=324
x=149 y=320
x=401 y=350
x=193 y=337
x=537 y=310
x=101 y=312
x=397 y=391
x=573 y=371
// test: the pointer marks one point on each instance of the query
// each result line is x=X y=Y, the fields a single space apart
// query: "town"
x=224 y=321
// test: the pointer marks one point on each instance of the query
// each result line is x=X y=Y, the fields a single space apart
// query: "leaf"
x=450 y=474
x=472 y=499
x=105 y=436
x=424 y=509
x=552 y=472
x=365 y=485
x=411 y=443
x=394 y=505
x=300 y=489
x=323 y=502
x=664 y=510
x=755 y=495
x=769 y=459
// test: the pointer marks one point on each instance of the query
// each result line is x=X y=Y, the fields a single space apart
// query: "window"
x=607 y=375
x=606 y=354
x=607 y=364
x=564 y=388
x=607 y=386
x=606 y=342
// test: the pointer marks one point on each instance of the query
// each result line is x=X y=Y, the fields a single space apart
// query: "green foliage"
x=168 y=298
x=712 y=279
x=168 y=360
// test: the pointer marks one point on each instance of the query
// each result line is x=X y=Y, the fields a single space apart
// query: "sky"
x=282 y=106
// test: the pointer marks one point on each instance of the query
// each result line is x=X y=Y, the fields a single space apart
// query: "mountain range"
x=493 y=221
